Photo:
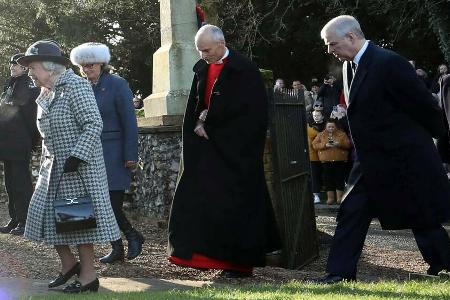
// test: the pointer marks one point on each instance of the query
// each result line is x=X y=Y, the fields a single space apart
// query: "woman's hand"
x=71 y=164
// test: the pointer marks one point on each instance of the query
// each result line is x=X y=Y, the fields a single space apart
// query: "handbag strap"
x=59 y=182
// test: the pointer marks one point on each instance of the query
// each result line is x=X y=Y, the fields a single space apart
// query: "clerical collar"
x=220 y=61
x=360 y=52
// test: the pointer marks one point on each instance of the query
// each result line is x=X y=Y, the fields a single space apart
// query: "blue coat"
x=119 y=136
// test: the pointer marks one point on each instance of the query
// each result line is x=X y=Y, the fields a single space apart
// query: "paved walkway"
x=14 y=288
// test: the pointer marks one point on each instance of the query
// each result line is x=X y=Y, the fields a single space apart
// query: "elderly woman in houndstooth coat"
x=70 y=124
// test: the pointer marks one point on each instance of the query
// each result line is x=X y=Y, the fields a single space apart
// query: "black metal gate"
x=293 y=202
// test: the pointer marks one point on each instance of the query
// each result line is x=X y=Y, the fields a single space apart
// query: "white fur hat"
x=90 y=53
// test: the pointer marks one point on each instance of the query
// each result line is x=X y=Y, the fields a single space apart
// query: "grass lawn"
x=288 y=291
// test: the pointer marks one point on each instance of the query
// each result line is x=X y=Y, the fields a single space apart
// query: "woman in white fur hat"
x=119 y=137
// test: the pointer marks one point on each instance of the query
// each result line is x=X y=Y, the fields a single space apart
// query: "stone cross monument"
x=172 y=64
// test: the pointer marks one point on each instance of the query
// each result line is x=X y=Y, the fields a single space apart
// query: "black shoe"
x=235 y=274
x=330 y=279
x=8 y=227
x=135 y=241
x=19 y=230
x=117 y=253
x=76 y=287
x=434 y=271
x=62 y=278
x=444 y=274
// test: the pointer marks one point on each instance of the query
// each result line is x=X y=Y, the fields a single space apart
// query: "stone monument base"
x=164 y=120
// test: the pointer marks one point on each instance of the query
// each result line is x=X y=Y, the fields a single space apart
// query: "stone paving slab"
x=14 y=288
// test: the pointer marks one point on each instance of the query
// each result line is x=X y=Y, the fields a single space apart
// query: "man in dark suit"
x=18 y=135
x=398 y=176
x=221 y=215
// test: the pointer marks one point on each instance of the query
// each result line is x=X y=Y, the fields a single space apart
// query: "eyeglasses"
x=87 y=66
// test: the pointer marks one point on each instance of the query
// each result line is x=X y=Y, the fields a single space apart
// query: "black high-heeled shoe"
x=76 y=287
x=62 y=278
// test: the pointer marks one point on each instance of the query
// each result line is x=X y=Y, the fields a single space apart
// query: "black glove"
x=71 y=164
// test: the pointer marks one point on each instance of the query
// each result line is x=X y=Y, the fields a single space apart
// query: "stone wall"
x=155 y=176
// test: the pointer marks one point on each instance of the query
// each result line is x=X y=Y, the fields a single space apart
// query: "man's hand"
x=203 y=115
x=200 y=130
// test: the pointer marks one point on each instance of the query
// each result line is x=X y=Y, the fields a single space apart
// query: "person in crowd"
x=332 y=146
x=339 y=114
x=442 y=70
x=18 y=136
x=424 y=77
x=398 y=176
x=279 y=85
x=329 y=93
x=137 y=101
x=298 y=87
x=221 y=216
x=443 y=142
x=119 y=137
x=314 y=91
x=317 y=106
x=70 y=125
x=316 y=124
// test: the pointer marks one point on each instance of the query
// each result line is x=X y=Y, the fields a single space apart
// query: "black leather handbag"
x=73 y=213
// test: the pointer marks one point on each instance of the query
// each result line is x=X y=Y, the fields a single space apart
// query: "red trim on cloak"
x=200 y=261
x=213 y=73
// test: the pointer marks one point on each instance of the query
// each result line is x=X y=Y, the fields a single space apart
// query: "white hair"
x=53 y=67
x=213 y=31
x=342 y=25
x=90 y=53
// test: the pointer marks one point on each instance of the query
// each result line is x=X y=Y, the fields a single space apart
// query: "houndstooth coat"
x=70 y=124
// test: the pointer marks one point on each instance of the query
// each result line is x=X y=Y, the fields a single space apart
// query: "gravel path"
x=387 y=255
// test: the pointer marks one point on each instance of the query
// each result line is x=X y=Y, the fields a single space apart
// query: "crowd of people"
x=370 y=145
x=325 y=103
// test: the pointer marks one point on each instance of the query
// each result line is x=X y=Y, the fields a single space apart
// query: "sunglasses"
x=87 y=66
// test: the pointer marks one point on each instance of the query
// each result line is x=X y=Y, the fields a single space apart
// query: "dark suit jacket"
x=18 y=130
x=392 y=118
x=221 y=206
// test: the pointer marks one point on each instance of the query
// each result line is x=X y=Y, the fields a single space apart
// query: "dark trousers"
x=353 y=223
x=334 y=175
x=117 y=198
x=316 y=176
x=19 y=188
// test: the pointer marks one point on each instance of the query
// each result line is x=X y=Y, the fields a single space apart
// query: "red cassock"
x=198 y=260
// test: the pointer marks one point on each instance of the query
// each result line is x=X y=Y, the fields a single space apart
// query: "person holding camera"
x=329 y=93
x=332 y=146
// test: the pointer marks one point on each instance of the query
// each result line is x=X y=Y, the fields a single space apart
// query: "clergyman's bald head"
x=210 y=32
x=210 y=43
